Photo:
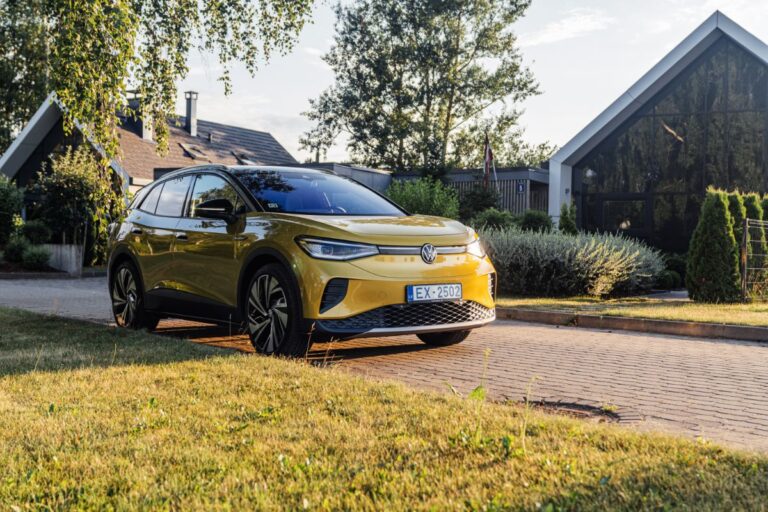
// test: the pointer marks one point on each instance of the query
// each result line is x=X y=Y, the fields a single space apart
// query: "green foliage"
x=425 y=196
x=11 y=202
x=14 y=249
x=535 y=220
x=79 y=191
x=476 y=200
x=555 y=264
x=36 y=231
x=493 y=218
x=567 y=223
x=676 y=263
x=89 y=51
x=669 y=280
x=713 y=258
x=738 y=214
x=35 y=257
x=415 y=81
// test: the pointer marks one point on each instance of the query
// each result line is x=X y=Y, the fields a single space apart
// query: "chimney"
x=191 y=125
x=144 y=119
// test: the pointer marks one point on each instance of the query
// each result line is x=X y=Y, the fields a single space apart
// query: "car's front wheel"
x=443 y=339
x=128 y=299
x=274 y=315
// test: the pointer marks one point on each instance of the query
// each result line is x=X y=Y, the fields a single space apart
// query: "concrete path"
x=710 y=388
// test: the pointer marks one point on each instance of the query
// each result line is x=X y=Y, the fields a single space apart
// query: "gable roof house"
x=699 y=117
x=192 y=141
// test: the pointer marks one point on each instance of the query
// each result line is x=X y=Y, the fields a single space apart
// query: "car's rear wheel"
x=443 y=339
x=128 y=299
x=274 y=315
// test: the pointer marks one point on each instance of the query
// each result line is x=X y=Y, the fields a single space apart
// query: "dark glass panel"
x=624 y=215
x=674 y=219
x=699 y=88
x=745 y=156
x=678 y=154
x=715 y=157
x=747 y=80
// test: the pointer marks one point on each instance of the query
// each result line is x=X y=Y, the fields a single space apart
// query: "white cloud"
x=576 y=23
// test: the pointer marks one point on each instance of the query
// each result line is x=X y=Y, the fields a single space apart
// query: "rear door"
x=206 y=250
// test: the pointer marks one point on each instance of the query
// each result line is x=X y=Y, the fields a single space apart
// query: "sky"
x=584 y=54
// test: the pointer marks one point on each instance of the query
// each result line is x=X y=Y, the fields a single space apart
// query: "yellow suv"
x=293 y=256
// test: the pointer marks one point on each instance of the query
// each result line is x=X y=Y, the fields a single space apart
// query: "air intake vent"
x=335 y=291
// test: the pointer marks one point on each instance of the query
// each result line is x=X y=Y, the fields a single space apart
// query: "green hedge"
x=556 y=264
x=11 y=202
x=425 y=196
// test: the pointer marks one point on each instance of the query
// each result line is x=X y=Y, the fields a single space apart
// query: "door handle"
x=182 y=236
x=137 y=231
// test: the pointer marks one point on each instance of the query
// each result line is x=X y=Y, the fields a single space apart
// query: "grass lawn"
x=755 y=314
x=94 y=418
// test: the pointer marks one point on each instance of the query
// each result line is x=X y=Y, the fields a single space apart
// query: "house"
x=192 y=141
x=697 y=118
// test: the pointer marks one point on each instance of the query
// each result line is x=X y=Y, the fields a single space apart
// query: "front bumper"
x=411 y=319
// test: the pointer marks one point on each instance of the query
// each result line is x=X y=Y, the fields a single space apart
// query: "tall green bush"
x=713 y=258
x=79 y=191
x=556 y=264
x=425 y=196
x=476 y=200
x=567 y=223
x=11 y=203
x=738 y=214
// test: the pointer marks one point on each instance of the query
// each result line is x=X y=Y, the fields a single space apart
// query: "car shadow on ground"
x=334 y=351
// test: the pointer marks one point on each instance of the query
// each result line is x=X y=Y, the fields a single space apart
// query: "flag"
x=488 y=161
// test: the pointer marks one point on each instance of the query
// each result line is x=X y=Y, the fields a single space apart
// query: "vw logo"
x=428 y=253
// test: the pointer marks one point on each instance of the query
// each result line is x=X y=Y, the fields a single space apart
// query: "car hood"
x=408 y=226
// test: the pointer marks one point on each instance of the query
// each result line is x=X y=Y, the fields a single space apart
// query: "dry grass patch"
x=754 y=314
x=113 y=421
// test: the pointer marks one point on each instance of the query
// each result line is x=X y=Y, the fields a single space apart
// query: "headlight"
x=476 y=249
x=336 y=249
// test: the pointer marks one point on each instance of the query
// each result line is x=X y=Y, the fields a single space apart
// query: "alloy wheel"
x=267 y=313
x=124 y=298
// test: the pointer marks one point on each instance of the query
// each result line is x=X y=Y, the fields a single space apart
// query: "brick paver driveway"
x=713 y=389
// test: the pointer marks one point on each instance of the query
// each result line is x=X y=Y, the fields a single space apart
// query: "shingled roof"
x=214 y=143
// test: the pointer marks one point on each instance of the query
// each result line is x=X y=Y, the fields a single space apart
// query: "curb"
x=674 y=327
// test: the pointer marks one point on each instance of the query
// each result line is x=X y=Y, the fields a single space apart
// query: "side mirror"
x=216 y=209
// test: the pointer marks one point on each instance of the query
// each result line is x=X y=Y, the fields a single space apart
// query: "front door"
x=205 y=257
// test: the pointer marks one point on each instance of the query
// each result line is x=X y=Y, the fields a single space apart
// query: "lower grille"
x=412 y=315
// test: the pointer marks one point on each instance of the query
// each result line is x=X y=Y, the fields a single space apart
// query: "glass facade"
x=708 y=127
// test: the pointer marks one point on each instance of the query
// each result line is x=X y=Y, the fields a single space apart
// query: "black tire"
x=443 y=339
x=274 y=315
x=127 y=298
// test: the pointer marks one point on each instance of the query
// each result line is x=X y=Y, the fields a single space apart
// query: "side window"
x=172 y=197
x=150 y=201
x=208 y=187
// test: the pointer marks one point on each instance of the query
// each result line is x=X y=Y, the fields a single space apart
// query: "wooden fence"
x=517 y=196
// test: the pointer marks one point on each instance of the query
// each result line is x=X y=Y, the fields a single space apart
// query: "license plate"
x=432 y=292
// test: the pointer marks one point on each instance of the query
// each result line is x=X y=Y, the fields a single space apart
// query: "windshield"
x=314 y=193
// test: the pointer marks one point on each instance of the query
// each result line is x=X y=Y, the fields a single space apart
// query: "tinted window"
x=172 y=197
x=150 y=201
x=314 y=193
x=208 y=187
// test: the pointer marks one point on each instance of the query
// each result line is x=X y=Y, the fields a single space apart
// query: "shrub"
x=676 y=263
x=80 y=191
x=11 y=203
x=669 y=280
x=36 y=232
x=493 y=218
x=535 y=220
x=567 y=223
x=35 y=257
x=555 y=264
x=477 y=200
x=14 y=249
x=425 y=196
x=738 y=214
x=713 y=259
